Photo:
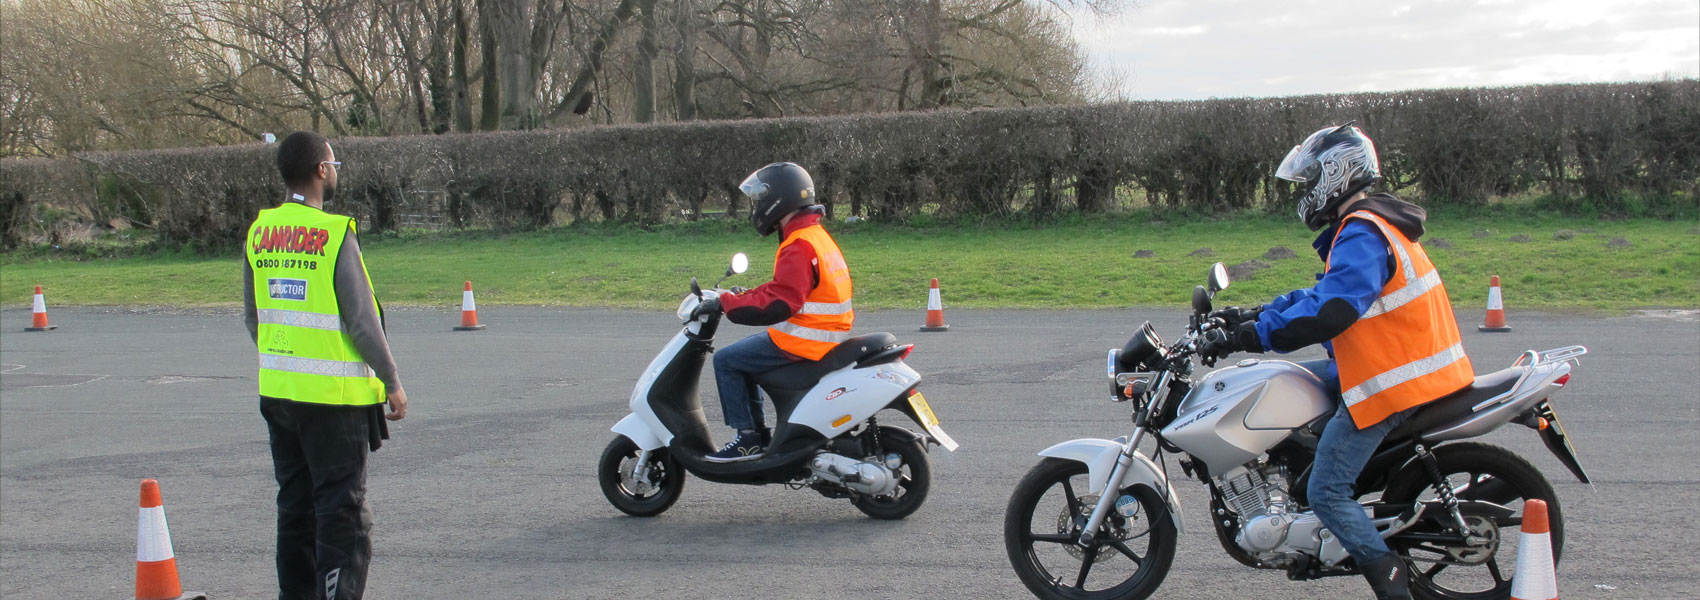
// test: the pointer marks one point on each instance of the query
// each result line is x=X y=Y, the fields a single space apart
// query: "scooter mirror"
x=740 y=263
x=1218 y=278
x=1200 y=300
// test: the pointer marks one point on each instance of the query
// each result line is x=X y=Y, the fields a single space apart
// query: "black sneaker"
x=747 y=446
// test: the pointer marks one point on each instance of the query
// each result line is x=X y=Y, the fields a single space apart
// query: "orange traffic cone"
x=935 y=309
x=156 y=566
x=468 y=311
x=38 y=316
x=1495 y=321
x=1536 y=578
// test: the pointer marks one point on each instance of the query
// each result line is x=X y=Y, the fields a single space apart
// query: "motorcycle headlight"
x=1142 y=352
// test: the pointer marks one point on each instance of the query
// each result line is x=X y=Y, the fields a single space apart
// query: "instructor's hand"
x=398 y=404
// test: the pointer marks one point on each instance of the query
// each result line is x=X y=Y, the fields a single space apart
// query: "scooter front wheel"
x=645 y=496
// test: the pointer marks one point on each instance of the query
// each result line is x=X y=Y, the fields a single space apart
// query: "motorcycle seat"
x=804 y=375
x=1457 y=405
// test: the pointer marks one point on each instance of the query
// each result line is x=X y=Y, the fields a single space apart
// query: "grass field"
x=1079 y=263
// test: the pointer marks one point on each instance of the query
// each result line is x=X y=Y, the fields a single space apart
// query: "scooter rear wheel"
x=915 y=476
x=639 y=499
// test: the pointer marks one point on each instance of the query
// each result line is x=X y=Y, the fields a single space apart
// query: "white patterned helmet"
x=1334 y=164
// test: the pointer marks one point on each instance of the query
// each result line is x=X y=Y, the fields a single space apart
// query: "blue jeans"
x=1340 y=456
x=735 y=367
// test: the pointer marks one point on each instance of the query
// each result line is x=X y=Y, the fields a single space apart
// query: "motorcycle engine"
x=861 y=476
x=1258 y=493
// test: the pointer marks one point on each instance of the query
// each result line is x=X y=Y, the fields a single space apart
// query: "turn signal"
x=1542 y=424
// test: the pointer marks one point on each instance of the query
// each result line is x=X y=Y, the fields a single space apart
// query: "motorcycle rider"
x=806 y=306
x=1383 y=314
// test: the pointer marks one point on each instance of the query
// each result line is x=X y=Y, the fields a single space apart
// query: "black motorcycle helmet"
x=1331 y=166
x=774 y=191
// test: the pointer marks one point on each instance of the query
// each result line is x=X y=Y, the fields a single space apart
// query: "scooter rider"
x=1384 y=315
x=807 y=305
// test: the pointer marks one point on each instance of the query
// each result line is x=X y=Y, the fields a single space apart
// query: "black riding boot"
x=1389 y=576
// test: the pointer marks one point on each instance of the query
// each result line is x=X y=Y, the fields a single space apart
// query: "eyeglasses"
x=334 y=163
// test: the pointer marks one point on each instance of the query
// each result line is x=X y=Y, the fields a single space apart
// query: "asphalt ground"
x=488 y=488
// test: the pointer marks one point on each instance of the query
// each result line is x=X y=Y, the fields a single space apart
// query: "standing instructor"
x=325 y=374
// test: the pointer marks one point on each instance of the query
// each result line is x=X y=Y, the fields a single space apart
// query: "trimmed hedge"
x=1460 y=146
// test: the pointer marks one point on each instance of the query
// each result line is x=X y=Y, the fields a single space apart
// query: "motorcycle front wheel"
x=914 y=477
x=1042 y=526
x=1476 y=472
x=651 y=496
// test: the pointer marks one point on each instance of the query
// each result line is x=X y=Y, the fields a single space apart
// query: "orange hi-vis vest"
x=1405 y=350
x=826 y=316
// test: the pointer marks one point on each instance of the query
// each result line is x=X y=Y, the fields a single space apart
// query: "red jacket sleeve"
x=794 y=275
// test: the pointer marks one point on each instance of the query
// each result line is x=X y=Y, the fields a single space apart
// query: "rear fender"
x=1100 y=458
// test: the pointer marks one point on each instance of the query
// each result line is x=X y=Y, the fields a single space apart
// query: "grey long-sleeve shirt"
x=354 y=300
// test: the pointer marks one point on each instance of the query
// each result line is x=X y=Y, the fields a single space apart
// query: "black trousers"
x=324 y=530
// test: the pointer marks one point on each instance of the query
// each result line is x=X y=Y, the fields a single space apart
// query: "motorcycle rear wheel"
x=914 y=477
x=1476 y=471
x=648 y=500
x=1048 y=499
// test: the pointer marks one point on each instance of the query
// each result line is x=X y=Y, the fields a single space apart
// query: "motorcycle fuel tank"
x=1234 y=414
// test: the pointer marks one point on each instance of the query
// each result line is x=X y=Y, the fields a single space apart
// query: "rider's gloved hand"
x=1235 y=315
x=708 y=306
x=1219 y=343
x=738 y=290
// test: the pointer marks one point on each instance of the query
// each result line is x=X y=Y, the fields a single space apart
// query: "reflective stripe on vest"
x=278 y=316
x=827 y=313
x=304 y=354
x=1402 y=374
x=1405 y=349
x=313 y=366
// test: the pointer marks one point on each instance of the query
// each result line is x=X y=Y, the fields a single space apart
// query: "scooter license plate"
x=930 y=421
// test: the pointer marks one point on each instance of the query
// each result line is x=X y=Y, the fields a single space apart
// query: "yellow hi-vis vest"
x=827 y=313
x=304 y=354
x=1405 y=350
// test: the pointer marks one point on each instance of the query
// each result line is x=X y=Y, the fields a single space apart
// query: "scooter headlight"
x=689 y=304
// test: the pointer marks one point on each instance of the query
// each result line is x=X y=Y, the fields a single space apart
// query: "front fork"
x=1107 y=499
x=640 y=472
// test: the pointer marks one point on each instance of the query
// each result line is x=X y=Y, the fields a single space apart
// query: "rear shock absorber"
x=1443 y=488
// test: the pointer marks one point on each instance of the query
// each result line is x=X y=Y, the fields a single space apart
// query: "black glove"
x=1219 y=343
x=1235 y=315
x=738 y=290
x=708 y=306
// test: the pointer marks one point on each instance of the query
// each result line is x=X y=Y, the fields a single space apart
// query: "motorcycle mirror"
x=1200 y=300
x=696 y=289
x=740 y=263
x=1218 y=278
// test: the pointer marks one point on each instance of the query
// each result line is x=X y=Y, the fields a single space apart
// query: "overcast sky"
x=1175 y=49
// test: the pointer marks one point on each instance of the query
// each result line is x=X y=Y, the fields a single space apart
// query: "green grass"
x=1079 y=263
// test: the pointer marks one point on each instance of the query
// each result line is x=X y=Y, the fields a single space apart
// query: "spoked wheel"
x=907 y=456
x=1482 y=569
x=1042 y=527
x=634 y=493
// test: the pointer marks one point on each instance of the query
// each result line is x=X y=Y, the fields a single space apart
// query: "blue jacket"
x=1360 y=263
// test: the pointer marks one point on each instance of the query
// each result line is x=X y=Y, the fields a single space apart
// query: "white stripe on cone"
x=1495 y=302
x=153 y=540
x=40 y=305
x=933 y=302
x=466 y=302
x=1535 y=579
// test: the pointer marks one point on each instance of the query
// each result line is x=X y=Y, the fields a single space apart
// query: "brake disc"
x=1071 y=523
x=628 y=475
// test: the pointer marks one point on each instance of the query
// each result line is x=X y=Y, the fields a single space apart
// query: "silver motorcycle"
x=1099 y=519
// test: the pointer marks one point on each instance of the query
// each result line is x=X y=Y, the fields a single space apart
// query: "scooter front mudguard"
x=1100 y=458
x=638 y=432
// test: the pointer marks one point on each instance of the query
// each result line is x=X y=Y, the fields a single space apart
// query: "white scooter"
x=826 y=437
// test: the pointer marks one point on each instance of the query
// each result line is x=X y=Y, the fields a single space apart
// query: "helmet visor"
x=752 y=187
x=1299 y=166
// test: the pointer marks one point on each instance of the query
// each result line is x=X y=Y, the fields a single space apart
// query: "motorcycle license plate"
x=930 y=421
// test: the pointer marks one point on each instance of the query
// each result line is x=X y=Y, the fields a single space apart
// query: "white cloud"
x=1176 y=49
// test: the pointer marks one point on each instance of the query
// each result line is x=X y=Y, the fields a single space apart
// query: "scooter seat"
x=804 y=375
x=1457 y=405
